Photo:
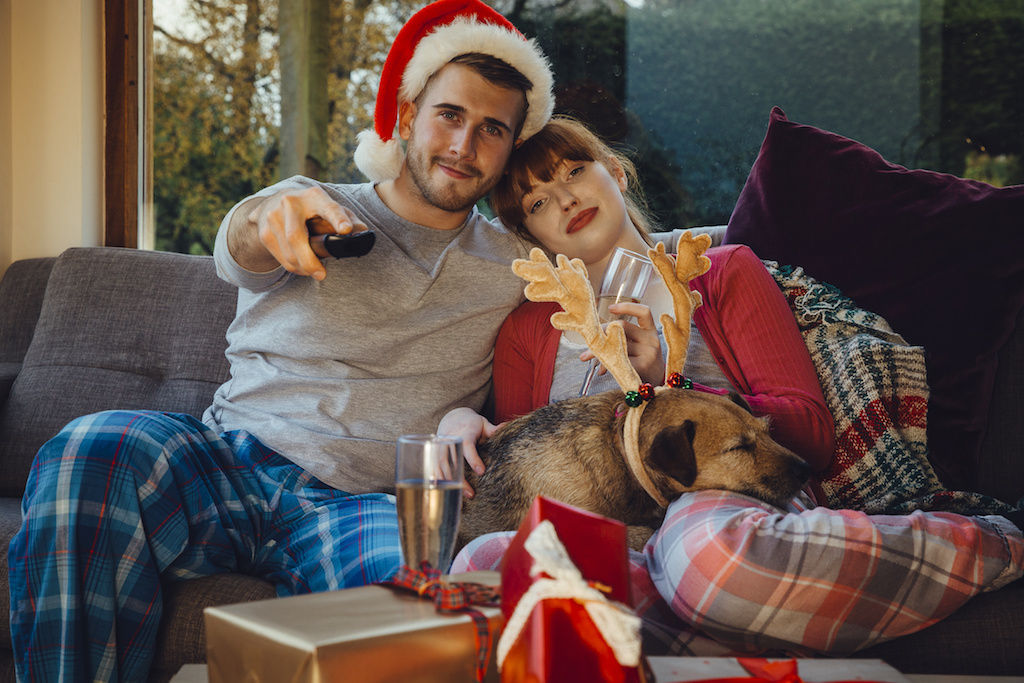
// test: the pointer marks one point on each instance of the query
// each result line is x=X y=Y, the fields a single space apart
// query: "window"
x=245 y=92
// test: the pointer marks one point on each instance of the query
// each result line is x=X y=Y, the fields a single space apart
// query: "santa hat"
x=430 y=39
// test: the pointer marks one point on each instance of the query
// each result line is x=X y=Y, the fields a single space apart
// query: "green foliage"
x=685 y=85
x=982 y=88
x=708 y=72
x=999 y=170
x=216 y=106
x=688 y=84
x=361 y=34
x=213 y=118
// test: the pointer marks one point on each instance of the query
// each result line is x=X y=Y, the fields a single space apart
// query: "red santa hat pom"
x=430 y=39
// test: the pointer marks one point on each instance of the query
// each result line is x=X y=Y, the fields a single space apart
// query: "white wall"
x=51 y=126
x=5 y=134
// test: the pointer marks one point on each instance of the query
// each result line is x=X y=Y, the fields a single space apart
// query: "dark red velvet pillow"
x=940 y=257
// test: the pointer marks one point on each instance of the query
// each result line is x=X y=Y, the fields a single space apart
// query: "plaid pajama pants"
x=120 y=500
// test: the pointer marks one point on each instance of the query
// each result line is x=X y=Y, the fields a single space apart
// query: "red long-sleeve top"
x=746 y=324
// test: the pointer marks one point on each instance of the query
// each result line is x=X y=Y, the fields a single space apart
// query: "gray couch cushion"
x=182 y=638
x=981 y=638
x=21 y=297
x=118 y=328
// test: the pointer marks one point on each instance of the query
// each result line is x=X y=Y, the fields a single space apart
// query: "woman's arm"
x=753 y=336
x=524 y=360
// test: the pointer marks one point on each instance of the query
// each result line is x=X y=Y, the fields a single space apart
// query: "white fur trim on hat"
x=377 y=159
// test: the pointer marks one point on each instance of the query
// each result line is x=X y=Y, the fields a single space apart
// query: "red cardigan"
x=748 y=328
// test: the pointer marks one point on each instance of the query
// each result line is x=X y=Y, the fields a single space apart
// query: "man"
x=330 y=361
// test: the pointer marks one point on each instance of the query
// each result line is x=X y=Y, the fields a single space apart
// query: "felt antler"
x=569 y=286
x=690 y=262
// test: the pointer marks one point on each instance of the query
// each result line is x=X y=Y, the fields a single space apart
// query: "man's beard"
x=439 y=193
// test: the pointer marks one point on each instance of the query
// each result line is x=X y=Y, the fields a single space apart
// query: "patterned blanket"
x=876 y=387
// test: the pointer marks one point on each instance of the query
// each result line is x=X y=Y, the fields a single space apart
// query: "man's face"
x=459 y=136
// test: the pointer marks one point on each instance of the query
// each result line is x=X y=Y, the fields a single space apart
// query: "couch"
x=100 y=328
x=938 y=256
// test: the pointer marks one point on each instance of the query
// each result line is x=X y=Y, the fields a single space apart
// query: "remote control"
x=343 y=246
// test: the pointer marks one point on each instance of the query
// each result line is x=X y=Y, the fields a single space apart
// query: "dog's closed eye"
x=746 y=442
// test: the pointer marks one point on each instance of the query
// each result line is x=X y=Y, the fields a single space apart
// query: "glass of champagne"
x=625 y=280
x=428 y=490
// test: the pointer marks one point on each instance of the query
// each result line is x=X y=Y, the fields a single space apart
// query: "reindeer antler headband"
x=568 y=285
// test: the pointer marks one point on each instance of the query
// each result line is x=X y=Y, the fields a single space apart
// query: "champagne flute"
x=428 y=492
x=625 y=280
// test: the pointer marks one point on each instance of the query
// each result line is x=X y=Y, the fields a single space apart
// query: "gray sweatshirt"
x=329 y=373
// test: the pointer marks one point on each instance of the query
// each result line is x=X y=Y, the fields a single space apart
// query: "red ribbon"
x=454 y=597
x=767 y=671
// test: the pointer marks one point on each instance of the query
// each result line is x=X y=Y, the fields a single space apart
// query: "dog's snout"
x=800 y=470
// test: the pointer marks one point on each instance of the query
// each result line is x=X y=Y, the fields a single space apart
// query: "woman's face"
x=581 y=212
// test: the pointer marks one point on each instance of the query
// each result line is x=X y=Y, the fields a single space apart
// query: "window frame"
x=121 y=127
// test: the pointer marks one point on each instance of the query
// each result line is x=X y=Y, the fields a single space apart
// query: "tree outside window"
x=246 y=92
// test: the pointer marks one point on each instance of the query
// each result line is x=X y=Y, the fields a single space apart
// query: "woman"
x=743 y=576
x=571 y=194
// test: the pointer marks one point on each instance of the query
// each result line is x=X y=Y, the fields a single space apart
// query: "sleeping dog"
x=625 y=455
x=572 y=451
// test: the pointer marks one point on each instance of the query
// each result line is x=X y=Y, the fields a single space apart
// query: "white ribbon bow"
x=617 y=624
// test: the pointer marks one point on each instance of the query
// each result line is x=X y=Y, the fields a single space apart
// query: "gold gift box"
x=368 y=634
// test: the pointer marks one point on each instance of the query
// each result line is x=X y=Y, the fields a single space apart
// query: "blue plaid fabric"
x=118 y=500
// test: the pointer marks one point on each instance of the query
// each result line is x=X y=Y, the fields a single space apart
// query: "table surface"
x=196 y=673
x=673 y=669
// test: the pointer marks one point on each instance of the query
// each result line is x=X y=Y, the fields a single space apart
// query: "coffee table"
x=196 y=673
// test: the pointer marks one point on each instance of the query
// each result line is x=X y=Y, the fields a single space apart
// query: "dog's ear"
x=740 y=401
x=672 y=453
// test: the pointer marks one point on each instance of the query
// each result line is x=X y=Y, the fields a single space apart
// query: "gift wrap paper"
x=560 y=642
x=369 y=634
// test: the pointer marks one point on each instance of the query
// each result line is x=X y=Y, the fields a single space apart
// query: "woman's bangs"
x=540 y=157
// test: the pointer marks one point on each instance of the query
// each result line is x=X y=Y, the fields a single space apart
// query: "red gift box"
x=566 y=600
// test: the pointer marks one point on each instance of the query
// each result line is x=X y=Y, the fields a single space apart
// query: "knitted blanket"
x=876 y=387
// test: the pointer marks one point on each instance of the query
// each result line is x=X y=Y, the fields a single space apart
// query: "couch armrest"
x=8 y=373
x=21 y=298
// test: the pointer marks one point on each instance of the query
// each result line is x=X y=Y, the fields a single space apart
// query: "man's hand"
x=471 y=428
x=274 y=230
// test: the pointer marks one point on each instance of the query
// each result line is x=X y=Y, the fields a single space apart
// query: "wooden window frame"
x=121 y=130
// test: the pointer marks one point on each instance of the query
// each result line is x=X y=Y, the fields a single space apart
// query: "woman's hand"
x=471 y=427
x=642 y=342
